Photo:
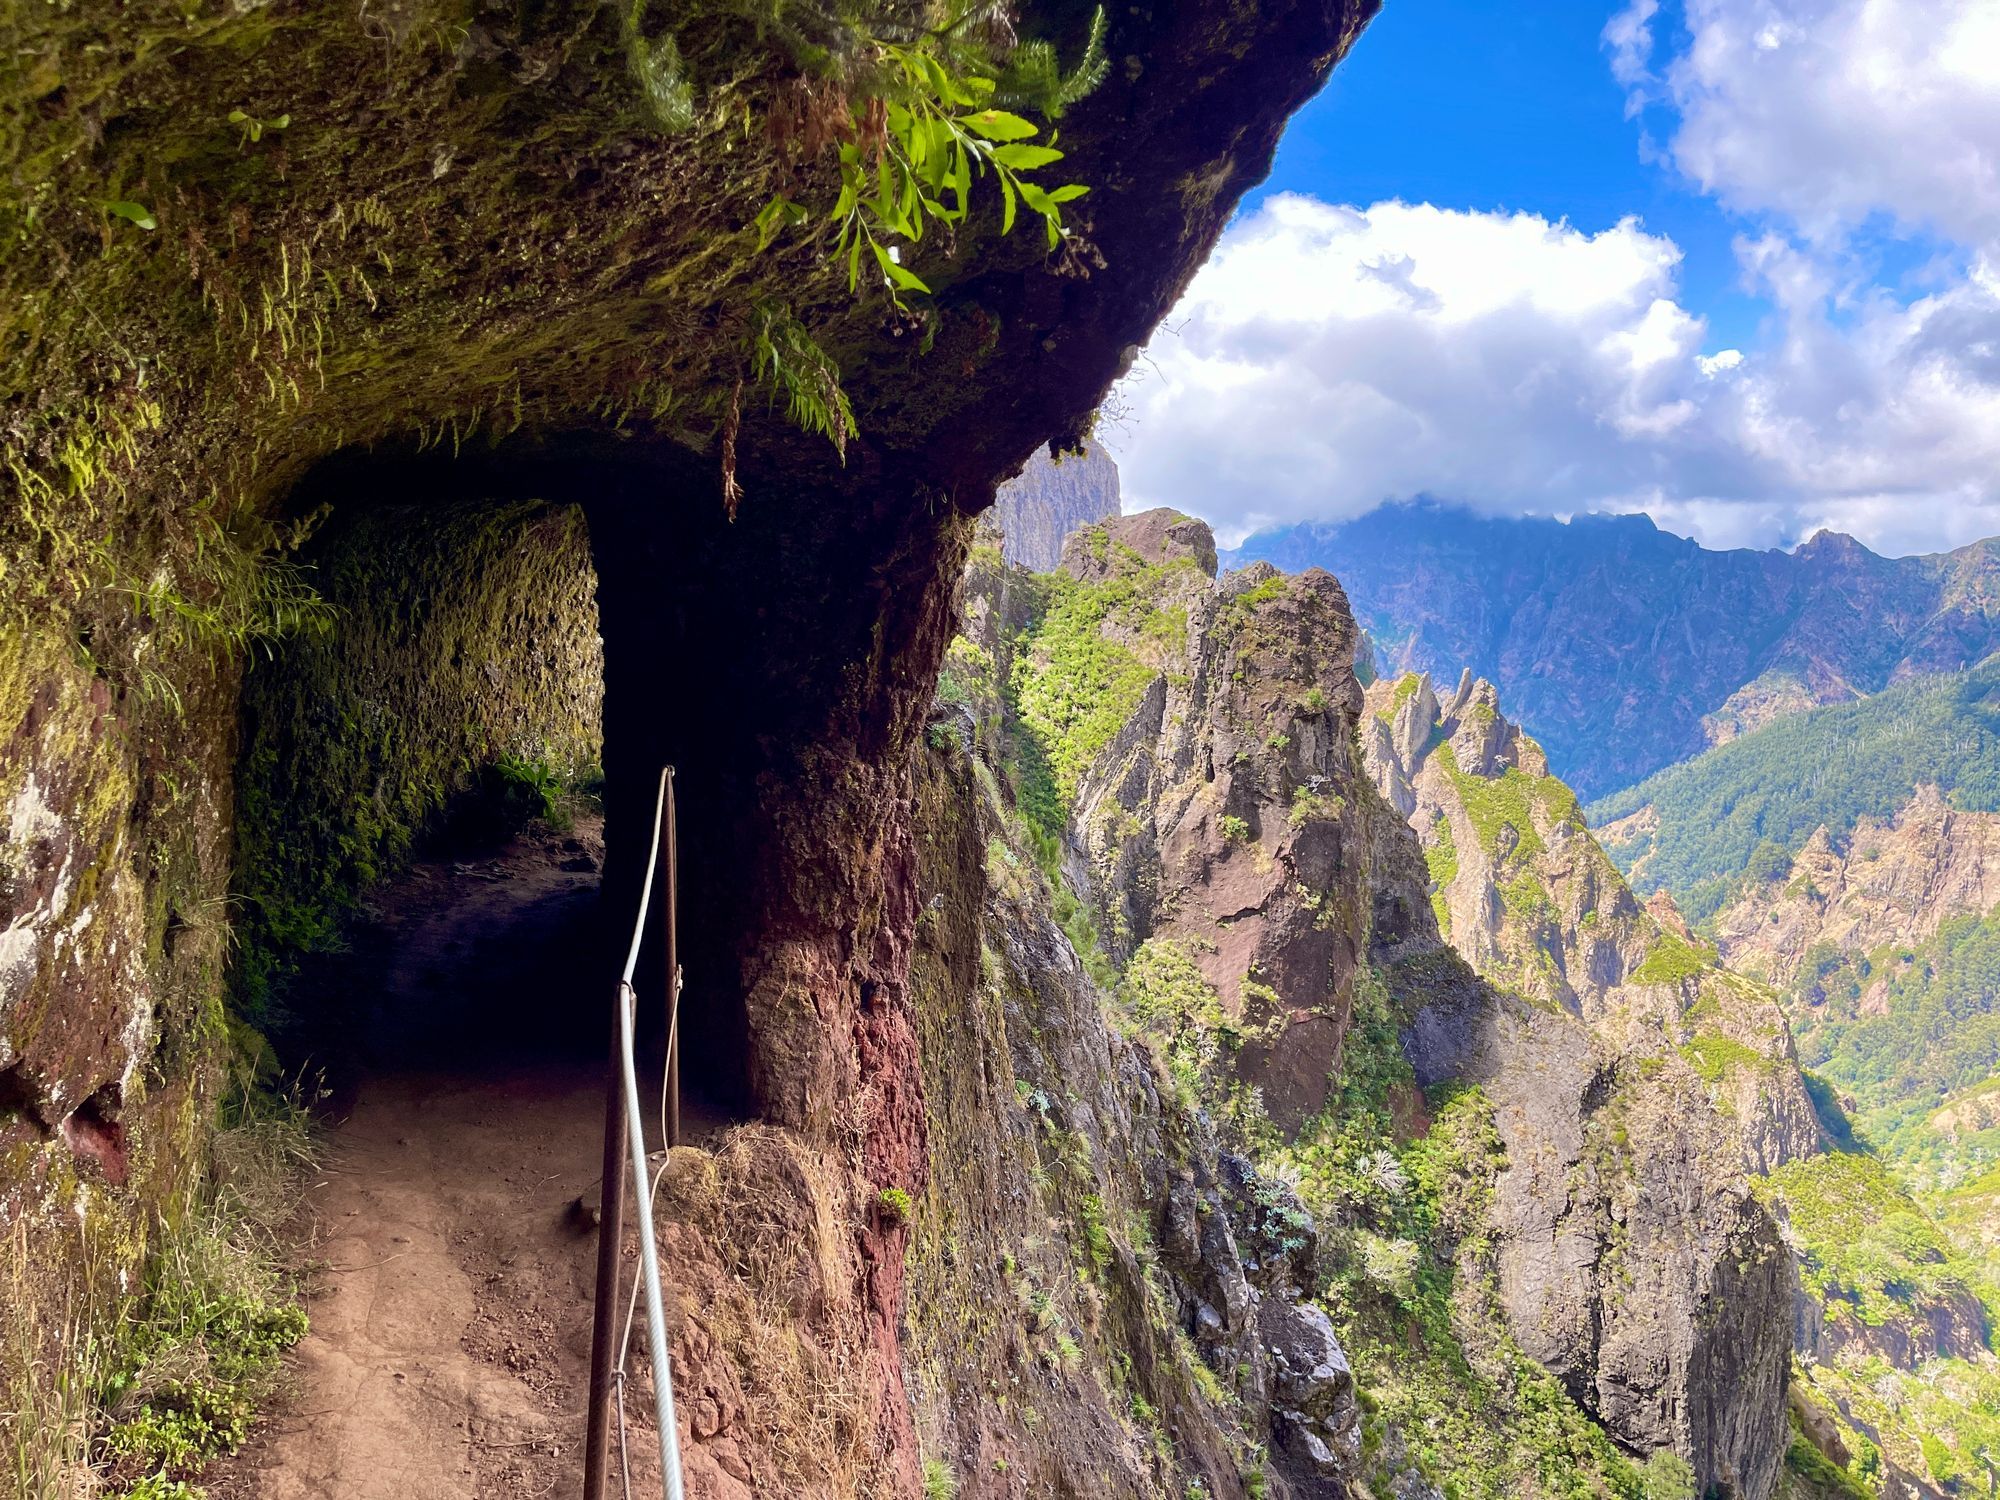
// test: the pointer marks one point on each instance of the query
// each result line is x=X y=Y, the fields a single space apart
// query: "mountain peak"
x=1826 y=545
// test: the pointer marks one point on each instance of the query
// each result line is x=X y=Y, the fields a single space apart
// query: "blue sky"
x=1504 y=108
x=1735 y=263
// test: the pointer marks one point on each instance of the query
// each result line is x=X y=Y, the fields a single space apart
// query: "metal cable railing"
x=625 y=1151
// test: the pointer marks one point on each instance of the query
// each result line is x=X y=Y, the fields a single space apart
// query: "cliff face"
x=1528 y=896
x=1037 y=509
x=1164 y=1336
x=1189 y=757
x=1629 y=649
x=1888 y=881
x=1200 y=769
x=488 y=257
x=1525 y=893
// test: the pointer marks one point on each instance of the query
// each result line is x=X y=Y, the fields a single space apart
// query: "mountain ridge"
x=1629 y=648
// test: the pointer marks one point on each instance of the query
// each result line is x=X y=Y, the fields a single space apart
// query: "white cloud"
x=1831 y=112
x=1330 y=358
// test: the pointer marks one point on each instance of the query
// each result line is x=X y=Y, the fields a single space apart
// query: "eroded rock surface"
x=1036 y=510
x=1894 y=880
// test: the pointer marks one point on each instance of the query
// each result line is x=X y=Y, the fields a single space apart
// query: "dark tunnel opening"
x=408 y=897
x=776 y=658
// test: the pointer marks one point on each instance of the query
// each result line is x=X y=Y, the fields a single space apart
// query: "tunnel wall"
x=464 y=633
x=471 y=235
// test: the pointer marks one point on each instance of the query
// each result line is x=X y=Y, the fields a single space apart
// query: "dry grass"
x=45 y=1420
x=782 y=1305
x=96 y=1393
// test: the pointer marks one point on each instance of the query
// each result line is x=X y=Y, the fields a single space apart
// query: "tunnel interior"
x=423 y=804
x=593 y=611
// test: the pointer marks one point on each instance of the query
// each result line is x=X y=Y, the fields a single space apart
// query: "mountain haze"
x=1626 y=648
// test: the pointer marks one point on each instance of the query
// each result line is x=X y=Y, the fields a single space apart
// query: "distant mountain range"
x=1625 y=648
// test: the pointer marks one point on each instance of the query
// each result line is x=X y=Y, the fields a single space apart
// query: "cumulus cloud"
x=1830 y=113
x=1329 y=358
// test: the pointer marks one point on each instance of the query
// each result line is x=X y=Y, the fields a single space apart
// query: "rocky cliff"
x=1534 y=1193
x=1142 y=1298
x=1628 y=648
x=271 y=263
x=1527 y=895
x=1037 y=509
x=1887 y=881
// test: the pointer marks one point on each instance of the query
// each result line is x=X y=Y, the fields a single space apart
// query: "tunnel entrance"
x=422 y=805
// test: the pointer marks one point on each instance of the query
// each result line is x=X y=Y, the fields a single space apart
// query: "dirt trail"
x=451 y=1319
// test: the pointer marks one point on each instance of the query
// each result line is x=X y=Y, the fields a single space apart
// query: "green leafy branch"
x=919 y=142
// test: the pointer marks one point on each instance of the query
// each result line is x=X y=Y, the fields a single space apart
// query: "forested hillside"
x=1746 y=807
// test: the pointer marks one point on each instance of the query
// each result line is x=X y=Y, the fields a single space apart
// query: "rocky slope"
x=1525 y=893
x=1038 y=508
x=1518 y=1211
x=1885 y=882
x=1141 y=1298
x=1885 y=942
x=1628 y=648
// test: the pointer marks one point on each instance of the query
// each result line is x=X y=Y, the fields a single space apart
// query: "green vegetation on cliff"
x=1931 y=1027
x=1868 y=1244
x=1410 y=1285
x=1497 y=805
x=1084 y=662
x=1906 y=1369
x=1831 y=766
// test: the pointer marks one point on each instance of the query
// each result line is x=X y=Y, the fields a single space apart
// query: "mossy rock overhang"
x=468 y=227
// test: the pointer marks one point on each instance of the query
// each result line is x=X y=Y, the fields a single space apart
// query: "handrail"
x=634 y=1152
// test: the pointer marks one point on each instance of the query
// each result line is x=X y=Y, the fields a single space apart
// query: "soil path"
x=451 y=1312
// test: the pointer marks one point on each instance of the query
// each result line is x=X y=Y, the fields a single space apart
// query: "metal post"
x=610 y=1254
x=670 y=926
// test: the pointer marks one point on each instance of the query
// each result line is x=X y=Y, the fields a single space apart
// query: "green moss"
x=1074 y=689
x=1495 y=804
x=463 y=679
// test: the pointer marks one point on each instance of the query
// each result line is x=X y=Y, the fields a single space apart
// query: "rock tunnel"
x=474 y=600
x=469 y=223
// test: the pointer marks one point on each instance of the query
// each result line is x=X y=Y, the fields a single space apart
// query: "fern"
x=656 y=67
x=1034 y=78
x=785 y=360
